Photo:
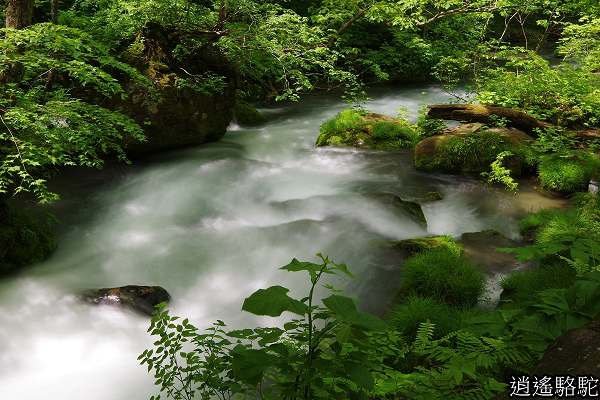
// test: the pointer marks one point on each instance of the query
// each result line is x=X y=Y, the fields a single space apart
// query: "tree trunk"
x=54 y=10
x=19 y=13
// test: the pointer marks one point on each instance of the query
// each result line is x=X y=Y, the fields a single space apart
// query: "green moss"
x=444 y=276
x=419 y=245
x=407 y=317
x=471 y=153
x=568 y=174
x=247 y=115
x=25 y=238
x=523 y=285
x=358 y=128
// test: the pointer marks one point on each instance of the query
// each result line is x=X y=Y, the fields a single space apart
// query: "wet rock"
x=470 y=149
x=393 y=201
x=577 y=352
x=142 y=299
x=482 y=249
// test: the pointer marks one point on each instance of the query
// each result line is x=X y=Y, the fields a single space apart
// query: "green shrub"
x=443 y=275
x=524 y=285
x=570 y=236
x=567 y=174
x=407 y=317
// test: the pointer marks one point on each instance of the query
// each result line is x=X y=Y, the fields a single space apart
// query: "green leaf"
x=345 y=309
x=273 y=302
x=249 y=365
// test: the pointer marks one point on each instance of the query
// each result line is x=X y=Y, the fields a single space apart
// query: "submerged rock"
x=471 y=148
x=574 y=353
x=142 y=299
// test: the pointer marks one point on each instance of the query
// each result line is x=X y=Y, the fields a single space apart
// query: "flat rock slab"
x=142 y=299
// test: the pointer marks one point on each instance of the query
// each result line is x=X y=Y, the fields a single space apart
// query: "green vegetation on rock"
x=472 y=152
x=359 y=128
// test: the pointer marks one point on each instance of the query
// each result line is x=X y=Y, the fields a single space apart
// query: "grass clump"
x=523 y=285
x=358 y=128
x=568 y=174
x=444 y=276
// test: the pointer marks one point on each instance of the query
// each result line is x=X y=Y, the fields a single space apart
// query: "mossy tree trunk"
x=18 y=13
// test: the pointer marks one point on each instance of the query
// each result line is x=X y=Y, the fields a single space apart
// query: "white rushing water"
x=212 y=225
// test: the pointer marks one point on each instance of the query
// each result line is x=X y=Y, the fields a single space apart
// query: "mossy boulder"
x=471 y=148
x=568 y=173
x=358 y=128
x=247 y=115
x=26 y=237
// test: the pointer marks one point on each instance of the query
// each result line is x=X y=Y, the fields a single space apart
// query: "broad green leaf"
x=273 y=302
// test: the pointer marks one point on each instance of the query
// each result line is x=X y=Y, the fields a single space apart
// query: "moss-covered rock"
x=410 y=247
x=247 y=115
x=192 y=98
x=358 y=128
x=471 y=148
x=26 y=237
x=568 y=174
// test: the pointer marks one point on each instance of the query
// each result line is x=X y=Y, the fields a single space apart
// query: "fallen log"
x=484 y=114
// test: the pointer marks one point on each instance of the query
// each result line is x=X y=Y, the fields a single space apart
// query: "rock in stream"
x=142 y=299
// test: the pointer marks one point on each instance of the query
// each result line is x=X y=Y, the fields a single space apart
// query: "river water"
x=212 y=225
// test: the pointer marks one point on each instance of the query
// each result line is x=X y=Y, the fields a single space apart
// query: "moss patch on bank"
x=359 y=128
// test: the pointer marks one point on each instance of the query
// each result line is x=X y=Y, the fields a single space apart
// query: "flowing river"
x=212 y=225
